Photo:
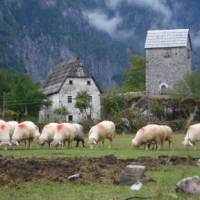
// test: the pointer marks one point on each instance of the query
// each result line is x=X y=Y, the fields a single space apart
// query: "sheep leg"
x=83 y=142
x=77 y=143
x=68 y=144
x=169 y=144
x=103 y=143
x=29 y=143
x=146 y=147
x=49 y=144
x=110 y=143
x=25 y=143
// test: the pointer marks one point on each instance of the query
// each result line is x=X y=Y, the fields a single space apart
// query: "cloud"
x=101 y=21
x=159 y=6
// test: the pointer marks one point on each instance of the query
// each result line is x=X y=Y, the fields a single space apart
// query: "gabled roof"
x=167 y=38
x=71 y=69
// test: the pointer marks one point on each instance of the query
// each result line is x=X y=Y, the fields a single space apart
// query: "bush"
x=112 y=105
x=177 y=125
x=87 y=124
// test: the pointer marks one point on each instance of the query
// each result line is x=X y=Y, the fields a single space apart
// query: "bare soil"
x=101 y=170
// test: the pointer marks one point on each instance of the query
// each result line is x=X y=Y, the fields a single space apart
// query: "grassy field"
x=121 y=149
x=162 y=188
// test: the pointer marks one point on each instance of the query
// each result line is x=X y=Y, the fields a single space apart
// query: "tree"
x=25 y=97
x=113 y=104
x=83 y=102
x=134 y=75
x=187 y=92
x=62 y=111
x=6 y=79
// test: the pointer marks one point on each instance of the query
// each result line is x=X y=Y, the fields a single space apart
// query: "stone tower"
x=168 y=59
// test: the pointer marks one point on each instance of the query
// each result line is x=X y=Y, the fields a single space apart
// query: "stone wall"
x=167 y=66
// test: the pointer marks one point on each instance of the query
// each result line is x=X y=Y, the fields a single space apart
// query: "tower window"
x=88 y=82
x=70 y=118
x=69 y=99
x=70 y=82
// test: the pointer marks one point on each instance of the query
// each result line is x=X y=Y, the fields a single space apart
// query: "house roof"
x=167 y=38
x=71 y=69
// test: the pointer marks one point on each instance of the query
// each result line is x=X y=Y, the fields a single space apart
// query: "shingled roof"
x=71 y=69
x=167 y=38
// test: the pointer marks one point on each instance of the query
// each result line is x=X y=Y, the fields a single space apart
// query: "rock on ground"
x=132 y=174
x=189 y=185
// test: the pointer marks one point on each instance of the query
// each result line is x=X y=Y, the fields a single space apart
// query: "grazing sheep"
x=100 y=132
x=152 y=133
x=167 y=134
x=12 y=125
x=192 y=135
x=47 y=134
x=79 y=135
x=4 y=134
x=64 y=132
x=25 y=131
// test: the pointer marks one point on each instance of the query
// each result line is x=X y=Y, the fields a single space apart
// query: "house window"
x=90 y=98
x=167 y=53
x=88 y=82
x=70 y=118
x=70 y=82
x=69 y=99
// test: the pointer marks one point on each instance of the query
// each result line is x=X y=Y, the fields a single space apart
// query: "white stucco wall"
x=61 y=99
x=80 y=84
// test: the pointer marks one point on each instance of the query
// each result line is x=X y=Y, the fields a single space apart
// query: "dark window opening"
x=70 y=82
x=69 y=99
x=88 y=82
x=70 y=118
x=90 y=98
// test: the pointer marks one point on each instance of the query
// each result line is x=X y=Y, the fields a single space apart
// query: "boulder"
x=132 y=174
x=189 y=185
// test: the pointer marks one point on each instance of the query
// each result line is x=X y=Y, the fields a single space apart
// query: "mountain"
x=35 y=35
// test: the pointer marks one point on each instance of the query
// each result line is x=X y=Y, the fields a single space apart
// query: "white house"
x=62 y=87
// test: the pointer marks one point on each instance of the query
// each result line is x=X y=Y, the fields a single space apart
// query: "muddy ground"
x=101 y=170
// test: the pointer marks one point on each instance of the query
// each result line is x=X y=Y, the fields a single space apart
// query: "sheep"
x=192 y=135
x=12 y=125
x=24 y=131
x=4 y=134
x=79 y=134
x=167 y=134
x=100 y=132
x=64 y=132
x=152 y=133
x=47 y=134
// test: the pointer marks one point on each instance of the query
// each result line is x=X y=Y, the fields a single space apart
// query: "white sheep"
x=79 y=134
x=47 y=134
x=25 y=131
x=168 y=133
x=4 y=134
x=12 y=125
x=192 y=135
x=64 y=132
x=100 y=132
x=148 y=134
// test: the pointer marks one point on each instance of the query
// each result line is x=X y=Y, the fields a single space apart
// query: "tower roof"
x=167 y=38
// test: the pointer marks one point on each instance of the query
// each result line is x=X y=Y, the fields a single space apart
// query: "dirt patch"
x=102 y=170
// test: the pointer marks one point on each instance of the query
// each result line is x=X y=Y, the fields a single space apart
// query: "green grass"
x=121 y=148
x=162 y=189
